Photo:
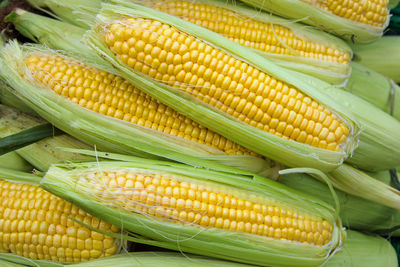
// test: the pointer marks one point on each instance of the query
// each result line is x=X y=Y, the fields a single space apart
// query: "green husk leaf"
x=110 y=134
x=383 y=56
x=355 y=212
x=307 y=13
x=288 y=152
x=14 y=161
x=358 y=183
x=156 y=259
x=13 y=121
x=361 y=250
x=26 y=137
x=9 y=99
x=63 y=180
x=19 y=177
x=393 y=3
x=15 y=260
x=52 y=33
x=374 y=88
x=71 y=11
x=44 y=153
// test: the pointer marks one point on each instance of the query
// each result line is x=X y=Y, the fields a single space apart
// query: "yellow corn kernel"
x=31 y=227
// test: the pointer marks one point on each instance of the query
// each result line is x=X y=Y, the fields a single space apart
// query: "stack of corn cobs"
x=217 y=133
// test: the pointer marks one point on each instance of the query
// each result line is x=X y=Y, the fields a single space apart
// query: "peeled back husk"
x=74 y=182
x=291 y=153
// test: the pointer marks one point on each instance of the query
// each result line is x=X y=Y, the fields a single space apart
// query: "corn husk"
x=65 y=181
x=48 y=151
x=157 y=259
x=361 y=250
x=356 y=212
x=73 y=11
x=110 y=134
x=383 y=56
x=8 y=99
x=375 y=88
x=306 y=13
x=15 y=162
x=393 y=3
x=332 y=72
x=288 y=152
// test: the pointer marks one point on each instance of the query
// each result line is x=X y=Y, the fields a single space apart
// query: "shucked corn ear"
x=36 y=224
x=121 y=116
x=289 y=44
x=383 y=56
x=203 y=75
x=375 y=88
x=358 y=21
x=200 y=211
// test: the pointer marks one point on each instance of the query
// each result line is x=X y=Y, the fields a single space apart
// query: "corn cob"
x=351 y=20
x=288 y=44
x=268 y=107
x=383 y=56
x=36 y=224
x=375 y=88
x=171 y=203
